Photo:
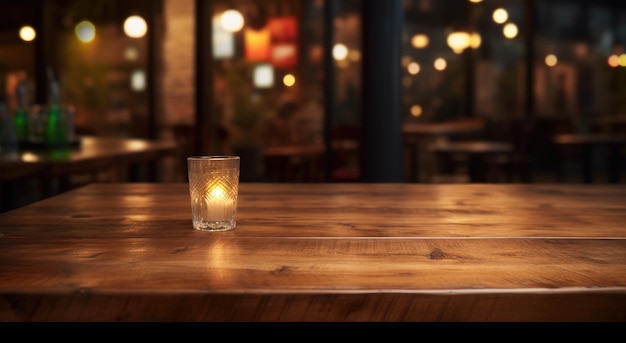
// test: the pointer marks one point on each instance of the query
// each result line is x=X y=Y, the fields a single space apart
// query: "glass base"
x=203 y=225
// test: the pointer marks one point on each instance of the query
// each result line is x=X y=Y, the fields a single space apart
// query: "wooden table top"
x=589 y=138
x=320 y=252
x=444 y=128
x=93 y=153
x=294 y=150
x=472 y=147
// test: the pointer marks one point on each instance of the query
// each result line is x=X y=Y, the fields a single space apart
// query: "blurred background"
x=337 y=90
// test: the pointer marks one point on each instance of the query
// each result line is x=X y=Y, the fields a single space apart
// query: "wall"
x=178 y=62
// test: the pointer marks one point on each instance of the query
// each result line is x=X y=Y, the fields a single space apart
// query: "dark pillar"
x=530 y=58
x=46 y=38
x=154 y=20
x=381 y=159
x=205 y=130
x=330 y=10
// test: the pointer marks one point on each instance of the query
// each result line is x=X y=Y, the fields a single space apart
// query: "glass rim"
x=213 y=158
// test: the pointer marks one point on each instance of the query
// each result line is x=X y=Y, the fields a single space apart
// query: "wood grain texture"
x=320 y=252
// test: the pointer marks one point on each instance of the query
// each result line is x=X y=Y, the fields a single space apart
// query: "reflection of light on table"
x=30 y=157
x=137 y=144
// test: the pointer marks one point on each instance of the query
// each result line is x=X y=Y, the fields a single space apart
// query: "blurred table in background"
x=294 y=163
x=54 y=168
x=415 y=134
x=481 y=158
x=582 y=146
x=613 y=124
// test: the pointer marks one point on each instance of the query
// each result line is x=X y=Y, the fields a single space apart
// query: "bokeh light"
x=289 y=80
x=416 y=110
x=232 y=20
x=27 y=33
x=510 y=30
x=413 y=68
x=440 y=64
x=85 y=31
x=135 y=26
x=419 y=41
x=551 y=60
x=340 y=52
x=500 y=16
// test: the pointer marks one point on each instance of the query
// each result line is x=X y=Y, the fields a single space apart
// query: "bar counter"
x=320 y=252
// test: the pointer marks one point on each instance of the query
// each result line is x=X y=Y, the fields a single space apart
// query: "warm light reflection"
x=135 y=26
x=232 y=20
x=613 y=61
x=440 y=64
x=289 y=80
x=220 y=256
x=419 y=41
x=27 y=33
x=136 y=144
x=413 y=68
x=551 y=60
x=30 y=157
x=475 y=1
x=340 y=52
x=510 y=30
x=500 y=16
x=85 y=31
x=416 y=110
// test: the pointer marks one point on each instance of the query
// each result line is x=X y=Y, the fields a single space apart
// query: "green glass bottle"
x=56 y=125
x=21 y=117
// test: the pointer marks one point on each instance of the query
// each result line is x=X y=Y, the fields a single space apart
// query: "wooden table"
x=320 y=252
x=477 y=154
x=291 y=163
x=92 y=155
x=416 y=133
x=587 y=142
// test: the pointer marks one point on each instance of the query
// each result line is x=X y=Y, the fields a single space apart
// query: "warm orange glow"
x=289 y=80
x=416 y=110
x=419 y=41
x=440 y=64
x=475 y=40
x=284 y=38
x=27 y=33
x=232 y=20
x=257 y=45
x=340 y=52
x=510 y=30
x=135 y=26
x=551 y=60
x=458 y=41
x=500 y=16
x=413 y=68
x=613 y=61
